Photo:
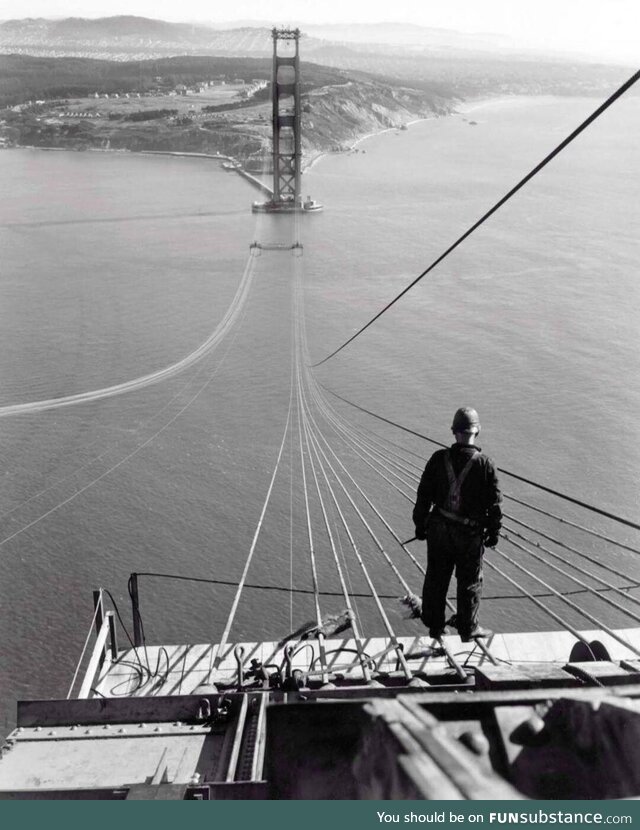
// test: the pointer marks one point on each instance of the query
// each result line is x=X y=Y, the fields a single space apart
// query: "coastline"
x=352 y=147
x=463 y=108
x=306 y=166
x=471 y=105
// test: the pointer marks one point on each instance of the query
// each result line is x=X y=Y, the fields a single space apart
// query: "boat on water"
x=311 y=205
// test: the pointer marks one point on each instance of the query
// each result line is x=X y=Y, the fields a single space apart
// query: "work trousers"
x=452 y=546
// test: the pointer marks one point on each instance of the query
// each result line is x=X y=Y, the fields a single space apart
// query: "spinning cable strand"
x=224 y=327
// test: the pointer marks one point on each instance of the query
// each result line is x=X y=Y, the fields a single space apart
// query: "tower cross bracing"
x=286 y=119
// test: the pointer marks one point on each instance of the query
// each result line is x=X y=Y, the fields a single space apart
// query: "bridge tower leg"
x=287 y=118
x=287 y=129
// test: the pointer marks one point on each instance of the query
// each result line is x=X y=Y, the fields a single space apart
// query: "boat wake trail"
x=216 y=337
x=92 y=220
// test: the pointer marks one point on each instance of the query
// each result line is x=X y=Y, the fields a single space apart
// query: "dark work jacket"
x=479 y=496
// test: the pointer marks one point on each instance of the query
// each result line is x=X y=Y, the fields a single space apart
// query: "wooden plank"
x=502 y=677
x=523 y=676
x=472 y=775
x=550 y=675
x=603 y=671
x=434 y=782
x=461 y=766
x=387 y=717
x=398 y=767
x=190 y=664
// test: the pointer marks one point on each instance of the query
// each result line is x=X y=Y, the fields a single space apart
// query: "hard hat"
x=466 y=420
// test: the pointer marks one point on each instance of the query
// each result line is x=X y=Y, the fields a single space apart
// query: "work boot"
x=478 y=633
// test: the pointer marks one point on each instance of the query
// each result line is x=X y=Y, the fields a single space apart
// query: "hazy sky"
x=609 y=28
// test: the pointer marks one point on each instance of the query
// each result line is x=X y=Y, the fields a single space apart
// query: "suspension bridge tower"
x=287 y=127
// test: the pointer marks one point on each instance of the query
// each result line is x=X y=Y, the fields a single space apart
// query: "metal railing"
x=104 y=648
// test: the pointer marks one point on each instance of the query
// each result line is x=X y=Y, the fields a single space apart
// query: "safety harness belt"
x=455 y=486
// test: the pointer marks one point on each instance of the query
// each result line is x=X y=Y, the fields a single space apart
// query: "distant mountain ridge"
x=124 y=36
x=410 y=34
x=439 y=60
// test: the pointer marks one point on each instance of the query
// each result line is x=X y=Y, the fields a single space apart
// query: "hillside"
x=24 y=78
x=209 y=105
x=128 y=38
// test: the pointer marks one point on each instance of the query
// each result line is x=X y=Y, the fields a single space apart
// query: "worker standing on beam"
x=458 y=512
